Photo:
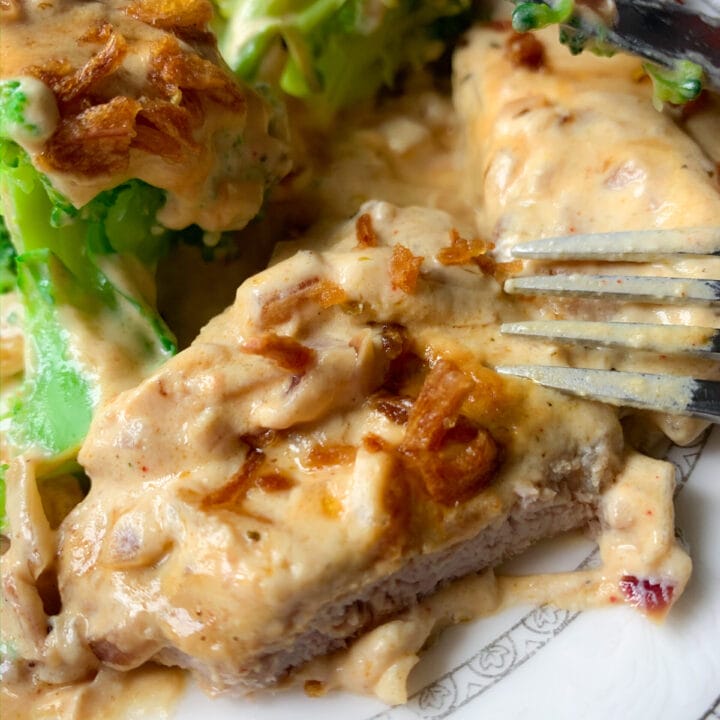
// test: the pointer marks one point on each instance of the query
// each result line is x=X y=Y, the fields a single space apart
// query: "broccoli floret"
x=338 y=51
x=90 y=260
x=8 y=276
x=676 y=85
x=533 y=16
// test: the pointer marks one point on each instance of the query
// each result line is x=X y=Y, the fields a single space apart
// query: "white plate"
x=547 y=663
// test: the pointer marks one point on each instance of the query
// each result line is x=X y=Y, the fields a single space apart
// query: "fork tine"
x=624 y=246
x=664 y=393
x=665 y=339
x=624 y=287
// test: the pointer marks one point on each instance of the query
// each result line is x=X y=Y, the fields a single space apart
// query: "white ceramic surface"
x=538 y=663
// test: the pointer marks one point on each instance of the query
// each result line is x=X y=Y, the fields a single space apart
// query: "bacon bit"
x=100 y=66
x=404 y=269
x=454 y=458
x=327 y=455
x=281 y=306
x=171 y=14
x=94 y=142
x=525 y=50
x=284 y=351
x=173 y=69
x=462 y=251
x=649 y=596
x=365 y=232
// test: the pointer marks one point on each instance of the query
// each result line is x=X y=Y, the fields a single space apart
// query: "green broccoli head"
x=338 y=51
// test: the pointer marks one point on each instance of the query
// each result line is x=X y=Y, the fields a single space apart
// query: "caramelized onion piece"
x=94 y=142
x=254 y=473
x=100 y=66
x=173 y=69
x=281 y=306
x=454 y=457
x=328 y=455
x=165 y=129
x=365 y=232
x=462 y=251
x=284 y=351
x=404 y=269
x=171 y=14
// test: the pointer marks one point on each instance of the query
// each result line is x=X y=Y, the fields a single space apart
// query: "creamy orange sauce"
x=148 y=692
x=637 y=539
x=577 y=147
x=218 y=392
x=237 y=154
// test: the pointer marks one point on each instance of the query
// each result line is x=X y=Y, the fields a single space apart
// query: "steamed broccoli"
x=8 y=279
x=677 y=84
x=91 y=262
x=338 y=51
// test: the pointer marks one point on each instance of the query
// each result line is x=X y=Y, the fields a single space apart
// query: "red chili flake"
x=646 y=594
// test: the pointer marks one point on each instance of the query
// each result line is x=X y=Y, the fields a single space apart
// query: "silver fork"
x=664 y=393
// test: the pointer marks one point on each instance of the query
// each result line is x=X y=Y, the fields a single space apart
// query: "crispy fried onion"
x=165 y=129
x=404 y=269
x=171 y=14
x=463 y=252
x=454 y=457
x=321 y=456
x=282 y=305
x=284 y=351
x=365 y=232
x=70 y=86
x=96 y=134
x=94 y=142
x=254 y=473
x=173 y=70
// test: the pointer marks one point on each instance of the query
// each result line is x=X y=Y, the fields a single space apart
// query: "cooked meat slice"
x=577 y=147
x=246 y=515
